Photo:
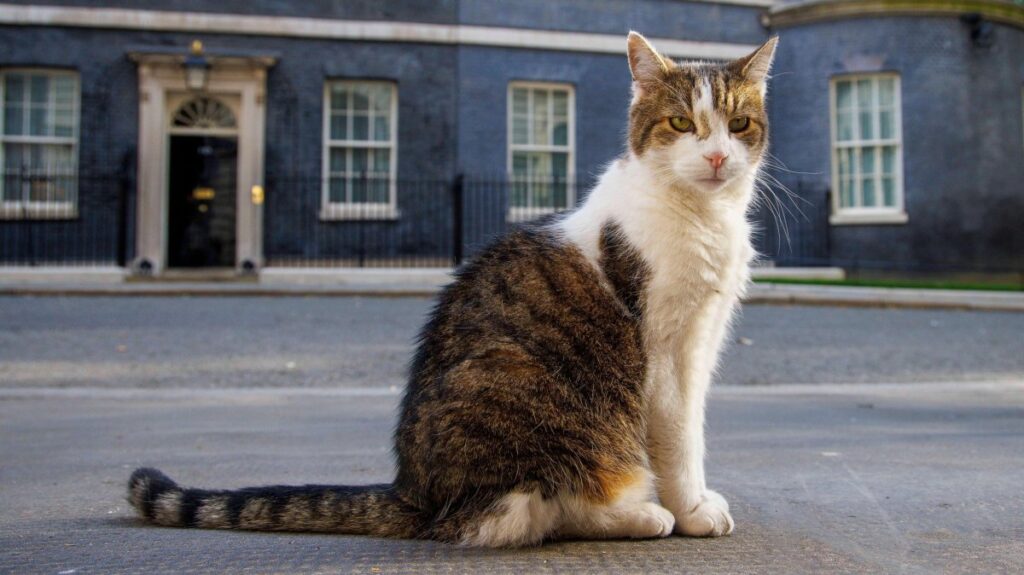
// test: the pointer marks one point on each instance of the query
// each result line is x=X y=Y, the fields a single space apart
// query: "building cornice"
x=1009 y=12
x=355 y=30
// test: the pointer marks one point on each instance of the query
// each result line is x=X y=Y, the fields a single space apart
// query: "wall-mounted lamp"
x=197 y=68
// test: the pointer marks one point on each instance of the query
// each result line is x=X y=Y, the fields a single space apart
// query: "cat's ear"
x=646 y=65
x=755 y=67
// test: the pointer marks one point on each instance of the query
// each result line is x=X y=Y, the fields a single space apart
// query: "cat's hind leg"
x=626 y=513
x=516 y=520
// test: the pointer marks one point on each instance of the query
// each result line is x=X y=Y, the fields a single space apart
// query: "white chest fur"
x=698 y=248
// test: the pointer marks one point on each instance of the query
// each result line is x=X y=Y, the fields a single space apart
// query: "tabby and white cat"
x=559 y=386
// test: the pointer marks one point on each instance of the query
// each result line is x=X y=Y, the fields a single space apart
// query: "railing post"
x=122 y=209
x=457 y=198
x=361 y=222
x=25 y=187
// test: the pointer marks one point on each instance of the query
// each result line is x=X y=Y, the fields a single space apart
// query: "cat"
x=558 y=388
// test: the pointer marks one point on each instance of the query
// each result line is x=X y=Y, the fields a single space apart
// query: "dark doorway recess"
x=201 y=210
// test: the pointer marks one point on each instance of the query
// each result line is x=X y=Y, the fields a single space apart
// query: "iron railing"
x=64 y=218
x=87 y=219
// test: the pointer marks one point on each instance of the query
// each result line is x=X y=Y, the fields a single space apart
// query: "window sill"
x=866 y=218
x=359 y=213
x=19 y=211
x=516 y=215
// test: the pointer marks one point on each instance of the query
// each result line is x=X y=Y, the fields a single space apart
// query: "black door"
x=201 y=211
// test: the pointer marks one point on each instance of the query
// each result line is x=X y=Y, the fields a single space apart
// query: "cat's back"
x=523 y=349
x=534 y=289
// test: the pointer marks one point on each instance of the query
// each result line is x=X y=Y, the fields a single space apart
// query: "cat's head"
x=698 y=126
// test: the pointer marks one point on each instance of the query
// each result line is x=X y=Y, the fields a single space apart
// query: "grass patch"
x=898 y=283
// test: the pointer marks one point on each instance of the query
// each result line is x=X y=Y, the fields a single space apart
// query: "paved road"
x=838 y=478
x=356 y=342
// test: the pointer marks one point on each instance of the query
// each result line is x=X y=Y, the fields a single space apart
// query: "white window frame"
x=362 y=210
x=868 y=215
x=523 y=213
x=21 y=209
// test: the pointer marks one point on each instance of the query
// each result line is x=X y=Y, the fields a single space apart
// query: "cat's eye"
x=738 y=124
x=681 y=124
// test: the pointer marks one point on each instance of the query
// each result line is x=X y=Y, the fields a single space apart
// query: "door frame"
x=161 y=80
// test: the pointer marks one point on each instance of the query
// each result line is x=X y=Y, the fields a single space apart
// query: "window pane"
x=889 y=159
x=540 y=165
x=517 y=195
x=64 y=122
x=540 y=117
x=14 y=88
x=886 y=91
x=338 y=128
x=867 y=161
x=39 y=92
x=560 y=133
x=560 y=103
x=540 y=180
x=360 y=190
x=382 y=162
x=889 y=191
x=519 y=174
x=844 y=126
x=865 y=97
x=361 y=98
x=867 y=130
x=360 y=160
x=887 y=123
x=339 y=98
x=338 y=160
x=845 y=162
x=560 y=185
x=360 y=128
x=37 y=122
x=868 y=193
x=13 y=120
x=13 y=157
x=382 y=99
x=845 y=180
x=559 y=166
x=520 y=130
x=64 y=86
x=377 y=191
x=845 y=192
x=381 y=129
x=336 y=190
x=844 y=95
x=520 y=101
x=519 y=164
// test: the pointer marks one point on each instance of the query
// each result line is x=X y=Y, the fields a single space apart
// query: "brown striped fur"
x=523 y=350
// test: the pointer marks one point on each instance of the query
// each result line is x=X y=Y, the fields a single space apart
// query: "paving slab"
x=907 y=478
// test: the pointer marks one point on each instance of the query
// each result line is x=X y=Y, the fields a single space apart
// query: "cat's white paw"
x=656 y=521
x=710 y=518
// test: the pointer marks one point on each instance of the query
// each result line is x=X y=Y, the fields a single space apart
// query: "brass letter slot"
x=203 y=194
x=257 y=195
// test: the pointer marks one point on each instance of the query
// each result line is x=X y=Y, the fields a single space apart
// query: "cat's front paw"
x=710 y=518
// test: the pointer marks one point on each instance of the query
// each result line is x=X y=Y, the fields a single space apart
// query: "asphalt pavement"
x=213 y=342
x=839 y=479
x=847 y=440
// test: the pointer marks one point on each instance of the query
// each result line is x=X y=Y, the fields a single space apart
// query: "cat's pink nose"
x=716 y=159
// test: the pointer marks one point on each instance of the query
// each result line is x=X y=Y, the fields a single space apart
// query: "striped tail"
x=364 y=510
